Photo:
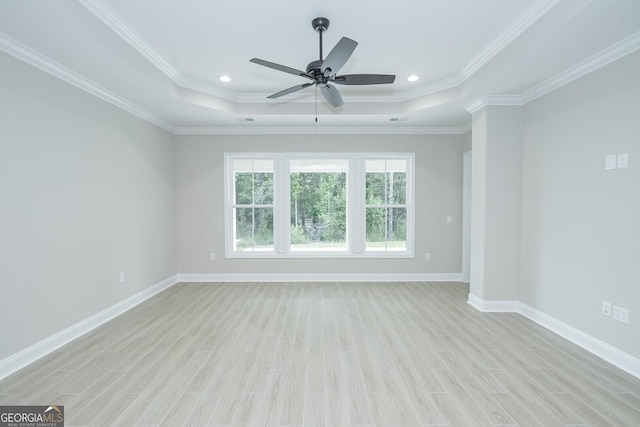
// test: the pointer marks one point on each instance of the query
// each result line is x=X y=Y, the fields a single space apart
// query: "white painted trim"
x=36 y=59
x=605 y=57
x=599 y=60
x=40 y=349
x=498 y=100
x=487 y=306
x=616 y=357
x=475 y=106
x=322 y=130
x=355 y=218
x=466 y=127
x=320 y=277
x=531 y=15
x=117 y=24
x=466 y=216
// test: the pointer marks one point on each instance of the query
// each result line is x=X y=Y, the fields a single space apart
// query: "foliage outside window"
x=319 y=205
x=386 y=208
x=318 y=195
x=253 y=205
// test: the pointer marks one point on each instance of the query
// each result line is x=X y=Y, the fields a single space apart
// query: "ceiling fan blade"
x=279 y=67
x=339 y=55
x=288 y=91
x=332 y=95
x=364 y=79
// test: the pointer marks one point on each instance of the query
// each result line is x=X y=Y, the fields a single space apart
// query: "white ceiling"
x=161 y=59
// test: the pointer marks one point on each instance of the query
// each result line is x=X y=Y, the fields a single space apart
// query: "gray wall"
x=496 y=190
x=200 y=214
x=86 y=191
x=466 y=141
x=581 y=224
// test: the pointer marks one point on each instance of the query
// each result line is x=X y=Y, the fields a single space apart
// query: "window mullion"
x=282 y=206
x=356 y=209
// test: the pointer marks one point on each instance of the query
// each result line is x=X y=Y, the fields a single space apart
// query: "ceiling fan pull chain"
x=316 y=104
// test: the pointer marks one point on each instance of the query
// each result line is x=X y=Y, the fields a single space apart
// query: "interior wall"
x=200 y=215
x=466 y=142
x=503 y=203
x=580 y=223
x=87 y=191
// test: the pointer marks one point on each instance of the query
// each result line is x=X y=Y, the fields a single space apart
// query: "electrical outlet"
x=212 y=256
x=449 y=219
x=427 y=256
x=122 y=277
x=623 y=160
x=606 y=308
x=610 y=162
x=621 y=314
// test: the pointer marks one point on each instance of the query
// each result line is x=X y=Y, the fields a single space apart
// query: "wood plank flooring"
x=324 y=354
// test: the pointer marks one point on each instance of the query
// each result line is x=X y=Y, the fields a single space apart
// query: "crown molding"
x=475 y=106
x=604 y=57
x=36 y=59
x=105 y=14
x=110 y=18
x=43 y=63
x=466 y=127
x=119 y=26
x=530 y=16
x=494 y=100
x=612 y=53
x=328 y=130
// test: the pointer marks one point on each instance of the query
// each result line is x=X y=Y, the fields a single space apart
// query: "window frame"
x=387 y=205
x=356 y=211
x=253 y=205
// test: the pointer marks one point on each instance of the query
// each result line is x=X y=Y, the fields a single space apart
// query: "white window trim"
x=356 y=211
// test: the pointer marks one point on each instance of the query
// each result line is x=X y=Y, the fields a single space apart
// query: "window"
x=318 y=196
x=386 y=205
x=319 y=205
x=252 y=205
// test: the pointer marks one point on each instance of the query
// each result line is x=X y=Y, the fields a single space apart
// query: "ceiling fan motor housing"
x=314 y=67
x=323 y=71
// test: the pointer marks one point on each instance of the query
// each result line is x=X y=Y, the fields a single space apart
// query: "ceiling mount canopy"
x=323 y=72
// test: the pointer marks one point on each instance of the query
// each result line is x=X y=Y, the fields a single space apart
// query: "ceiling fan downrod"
x=320 y=25
x=322 y=72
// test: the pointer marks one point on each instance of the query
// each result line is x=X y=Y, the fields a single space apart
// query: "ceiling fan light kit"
x=323 y=72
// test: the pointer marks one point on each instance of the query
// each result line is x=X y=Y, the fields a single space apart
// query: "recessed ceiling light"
x=225 y=79
x=413 y=77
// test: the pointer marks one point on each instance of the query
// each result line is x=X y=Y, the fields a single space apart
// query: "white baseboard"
x=320 y=277
x=616 y=357
x=40 y=349
x=492 y=306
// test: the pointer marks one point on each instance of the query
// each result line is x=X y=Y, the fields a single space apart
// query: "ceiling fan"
x=323 y=72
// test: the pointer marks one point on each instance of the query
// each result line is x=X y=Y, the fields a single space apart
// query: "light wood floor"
x=325 y=354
